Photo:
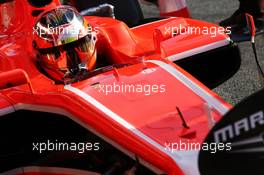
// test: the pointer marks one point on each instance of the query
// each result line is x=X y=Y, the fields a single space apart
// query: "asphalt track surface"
x=246 y=81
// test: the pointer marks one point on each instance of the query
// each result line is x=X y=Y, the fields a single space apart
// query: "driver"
x=65 y=44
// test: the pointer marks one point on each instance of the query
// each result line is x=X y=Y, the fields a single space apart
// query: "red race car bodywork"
x=136 y=123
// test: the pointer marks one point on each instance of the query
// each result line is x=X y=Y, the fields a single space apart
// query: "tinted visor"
x=70 y=57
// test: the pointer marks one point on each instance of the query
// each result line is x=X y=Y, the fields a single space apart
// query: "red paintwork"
x=154 y=115
x=251 y=23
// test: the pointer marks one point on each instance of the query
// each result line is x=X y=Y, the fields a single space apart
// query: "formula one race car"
x=123 y=116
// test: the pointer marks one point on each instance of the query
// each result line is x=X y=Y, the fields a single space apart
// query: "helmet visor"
x=71 y=57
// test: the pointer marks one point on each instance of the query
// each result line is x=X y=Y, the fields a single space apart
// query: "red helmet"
x=64 y=42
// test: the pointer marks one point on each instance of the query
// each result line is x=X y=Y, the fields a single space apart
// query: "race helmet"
x=65 y=43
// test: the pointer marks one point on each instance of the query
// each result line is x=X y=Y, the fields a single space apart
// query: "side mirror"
x=14 y=78
x=252 y=29
x=251 y=26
